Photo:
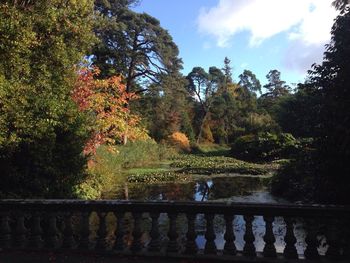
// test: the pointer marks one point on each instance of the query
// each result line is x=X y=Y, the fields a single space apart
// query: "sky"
x=259 y=35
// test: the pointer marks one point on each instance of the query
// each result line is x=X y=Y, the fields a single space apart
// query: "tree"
x=275 y=86
x=134 y=45
x=164 y=107
x=331 y=80
x=216 y=80
x=341 y=5
x=42 y=133
x=249 y=81
x=200 y=87
x=224 y=116
x=322 y=171
x=298 y=113
x=276 y=90
x=106 y=7
x=227 y=69
x=105 y=100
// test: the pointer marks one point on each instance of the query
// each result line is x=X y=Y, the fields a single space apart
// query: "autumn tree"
x=105 y=100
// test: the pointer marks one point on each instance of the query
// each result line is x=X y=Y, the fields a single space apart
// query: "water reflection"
x=206 y=189
x=236 y=189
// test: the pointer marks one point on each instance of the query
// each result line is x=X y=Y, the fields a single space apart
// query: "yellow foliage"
x=233 y=89
x=180 y=141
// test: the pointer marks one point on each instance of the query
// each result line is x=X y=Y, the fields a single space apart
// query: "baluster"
x=154 y=245
x=52 y=231
x=249 y=248
x=84 y=241
x=311 y=241
x=20 y=231
x=210 y=247
x=269 y=238
x=333 y=251
x=290 y=250
x=229 y=248
x=68 y=238
x=101 y=244
x=136 y=245
x=36 y=241
x=172 y=234
x=119 y=233
x=5 y=231
x=191 y=245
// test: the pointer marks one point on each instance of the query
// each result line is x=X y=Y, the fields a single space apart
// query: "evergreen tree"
x=227 y=69
x=275 y=86
x=134 y=45
x=249 y=81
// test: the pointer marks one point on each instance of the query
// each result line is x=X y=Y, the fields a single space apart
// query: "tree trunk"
x=201 y=127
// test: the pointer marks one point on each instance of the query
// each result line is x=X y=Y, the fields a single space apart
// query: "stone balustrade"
x=134 y=228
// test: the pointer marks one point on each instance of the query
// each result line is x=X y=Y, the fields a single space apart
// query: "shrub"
x=264 y=146
x=180 y=141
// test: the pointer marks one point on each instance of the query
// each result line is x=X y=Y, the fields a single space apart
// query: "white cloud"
x=309 y=21
x=300 y=56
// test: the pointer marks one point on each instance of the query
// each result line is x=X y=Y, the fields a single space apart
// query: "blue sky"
x=259 y=35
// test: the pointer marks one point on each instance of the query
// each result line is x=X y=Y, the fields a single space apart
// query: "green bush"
x=264 y=146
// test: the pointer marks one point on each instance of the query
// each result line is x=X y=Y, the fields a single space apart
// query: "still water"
x=205 y=188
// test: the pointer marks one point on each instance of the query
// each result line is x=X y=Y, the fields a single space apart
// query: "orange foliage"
x=180 y=141
x=107 y=101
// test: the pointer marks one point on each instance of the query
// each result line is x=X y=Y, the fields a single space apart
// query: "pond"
x=202 y=188
x=218 y=188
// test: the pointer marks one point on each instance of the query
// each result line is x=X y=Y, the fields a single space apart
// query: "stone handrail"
x=110 y=226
